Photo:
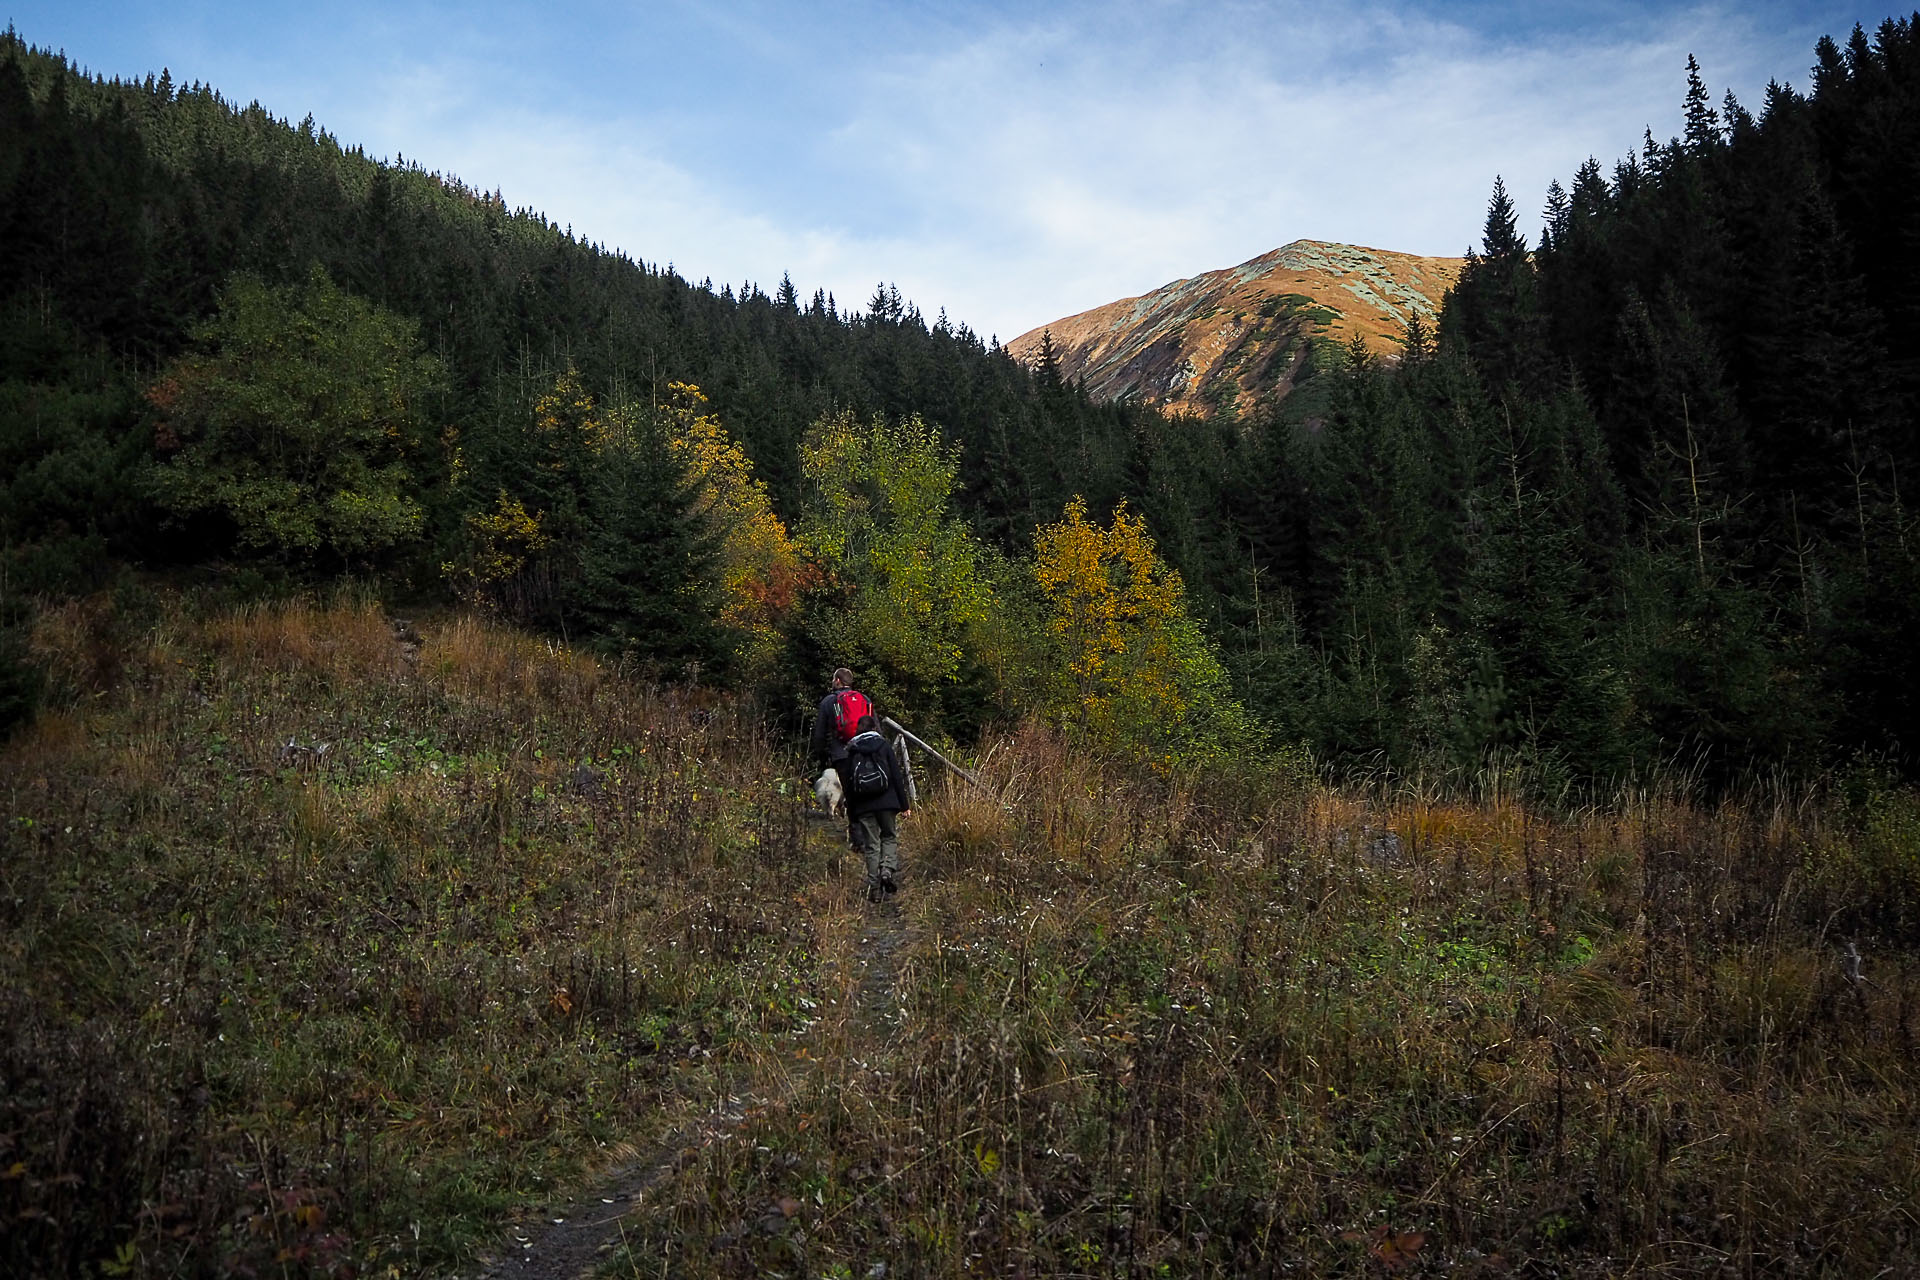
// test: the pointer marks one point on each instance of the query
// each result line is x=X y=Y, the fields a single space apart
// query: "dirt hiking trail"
x=570 y=1241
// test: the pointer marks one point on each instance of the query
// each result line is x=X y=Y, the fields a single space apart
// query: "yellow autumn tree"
x=760 y=570
x=1131 y=670
x=501 y=545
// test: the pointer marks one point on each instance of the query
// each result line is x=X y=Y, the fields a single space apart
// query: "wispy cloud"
x=1088 y=167
x=1011 y=165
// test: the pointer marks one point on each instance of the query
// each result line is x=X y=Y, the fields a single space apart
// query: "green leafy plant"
x=300 y=417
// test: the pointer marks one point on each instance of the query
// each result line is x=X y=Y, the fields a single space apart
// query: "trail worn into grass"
x=569 y=1242
x=881 y=942
x=566 y=1242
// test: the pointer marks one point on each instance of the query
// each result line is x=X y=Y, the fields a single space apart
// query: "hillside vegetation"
x=325 y=941
x=1632 y=502
x=333 y=942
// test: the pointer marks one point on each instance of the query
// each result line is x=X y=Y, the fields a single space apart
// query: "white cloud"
x=1117 y=169
x=1012 y=168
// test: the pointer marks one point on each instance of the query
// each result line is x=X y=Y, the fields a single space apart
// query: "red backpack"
x=847 y=710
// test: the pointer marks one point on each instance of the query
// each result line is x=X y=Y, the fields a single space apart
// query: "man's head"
x=842 y=678
x=865 y=724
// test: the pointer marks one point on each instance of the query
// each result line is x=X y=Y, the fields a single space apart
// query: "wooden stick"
x=908 y=734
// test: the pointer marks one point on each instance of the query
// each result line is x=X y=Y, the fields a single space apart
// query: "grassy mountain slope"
x=330 y=950
x=1244 y=335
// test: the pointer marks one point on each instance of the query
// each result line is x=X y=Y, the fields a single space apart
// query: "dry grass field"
x=333 y=947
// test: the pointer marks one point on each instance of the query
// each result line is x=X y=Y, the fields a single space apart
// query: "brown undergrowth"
x=1202 y=1029
x=326 y=946
x=331 y=952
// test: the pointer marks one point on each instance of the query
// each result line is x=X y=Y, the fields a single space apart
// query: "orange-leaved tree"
x=760 y=569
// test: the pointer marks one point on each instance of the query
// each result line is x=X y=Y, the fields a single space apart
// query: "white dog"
x=828 y=793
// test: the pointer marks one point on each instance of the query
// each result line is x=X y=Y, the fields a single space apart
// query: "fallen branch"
x=908 y=734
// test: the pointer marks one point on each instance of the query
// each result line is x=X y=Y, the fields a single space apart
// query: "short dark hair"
x=864 y=724
x=843 y=676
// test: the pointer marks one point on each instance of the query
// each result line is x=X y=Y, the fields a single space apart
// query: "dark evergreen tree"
x=1492 y=313
x=1703 y=123
x=1542 y=680
x=647 y=582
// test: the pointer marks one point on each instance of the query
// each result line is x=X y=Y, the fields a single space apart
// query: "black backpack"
x=866 y=773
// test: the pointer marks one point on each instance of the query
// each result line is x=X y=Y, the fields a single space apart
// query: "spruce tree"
x=648 y=579
x=1492 y=313
x=1545 y=684
x=1703 y=123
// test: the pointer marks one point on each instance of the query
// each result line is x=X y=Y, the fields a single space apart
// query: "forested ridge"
x=129 y=205
x=1637 y=501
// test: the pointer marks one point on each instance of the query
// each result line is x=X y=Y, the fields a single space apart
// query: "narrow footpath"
x=569 y=1242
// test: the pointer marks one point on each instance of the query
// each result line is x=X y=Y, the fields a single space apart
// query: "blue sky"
x=1012 y=163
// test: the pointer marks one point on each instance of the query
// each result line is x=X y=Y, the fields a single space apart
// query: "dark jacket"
x=826 y=744
x=899 y=792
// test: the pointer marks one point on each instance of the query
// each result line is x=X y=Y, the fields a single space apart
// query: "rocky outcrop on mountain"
x=1233 y=339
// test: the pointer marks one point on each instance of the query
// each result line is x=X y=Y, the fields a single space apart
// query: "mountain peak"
x=1242 y=335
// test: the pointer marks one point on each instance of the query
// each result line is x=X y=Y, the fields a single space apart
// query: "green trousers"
x=878 y=836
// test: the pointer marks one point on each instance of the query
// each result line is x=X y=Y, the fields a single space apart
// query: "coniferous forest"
x=1635 y=505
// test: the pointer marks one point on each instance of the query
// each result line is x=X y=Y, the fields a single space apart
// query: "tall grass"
x=1153 y=1028
x=327 y=951
x=324 y=950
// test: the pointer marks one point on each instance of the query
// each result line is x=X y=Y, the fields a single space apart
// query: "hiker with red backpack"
x=837 y=722
x=846 y=717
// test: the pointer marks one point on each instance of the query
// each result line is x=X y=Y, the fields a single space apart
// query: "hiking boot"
x=886 y=883
x=875 y=889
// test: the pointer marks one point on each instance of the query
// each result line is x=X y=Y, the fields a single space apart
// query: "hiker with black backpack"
x=845 y=715
x=880 y=791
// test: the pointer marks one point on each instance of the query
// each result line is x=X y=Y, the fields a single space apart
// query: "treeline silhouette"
x=1641 y=497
